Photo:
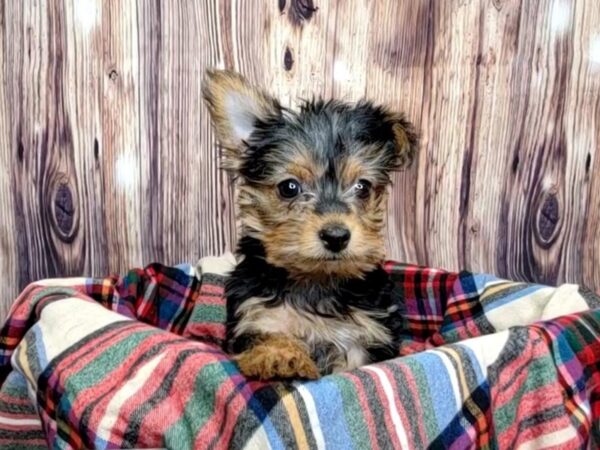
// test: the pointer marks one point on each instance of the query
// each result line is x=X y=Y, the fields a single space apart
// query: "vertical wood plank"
x=502 y=65
x=540 y=201
x=586 y=123
x=122 y=155
x=182 y=162
x=82 y=83
x=51 y=100
x=27 y=131
x=348 y=60
x=9 y=258
x=299 y=49
x=400 y=58
x=448 y=107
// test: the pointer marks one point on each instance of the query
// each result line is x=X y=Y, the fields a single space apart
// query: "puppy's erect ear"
x=236 y=106
x=406 y=139
x=395 y=137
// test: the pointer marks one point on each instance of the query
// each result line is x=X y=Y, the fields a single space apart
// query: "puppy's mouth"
x=333 y=257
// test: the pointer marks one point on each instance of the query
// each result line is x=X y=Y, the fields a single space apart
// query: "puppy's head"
x=312 y=183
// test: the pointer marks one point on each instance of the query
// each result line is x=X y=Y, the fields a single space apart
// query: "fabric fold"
x=136 y=361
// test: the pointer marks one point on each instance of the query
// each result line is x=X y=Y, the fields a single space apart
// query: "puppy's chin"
x=323 y=267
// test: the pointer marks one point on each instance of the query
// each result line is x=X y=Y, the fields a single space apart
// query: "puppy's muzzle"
x=335 y=237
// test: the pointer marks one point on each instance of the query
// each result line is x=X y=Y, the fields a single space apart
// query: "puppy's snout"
x=335 y=237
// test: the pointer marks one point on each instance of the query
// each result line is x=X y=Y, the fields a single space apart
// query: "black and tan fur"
x=303 y=301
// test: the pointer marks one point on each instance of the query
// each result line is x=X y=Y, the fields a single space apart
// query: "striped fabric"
x=136 y=362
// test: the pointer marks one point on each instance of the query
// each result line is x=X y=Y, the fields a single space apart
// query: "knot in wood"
x=288 y=59
x=548 y=219
x=63 y=212
x=301 y=11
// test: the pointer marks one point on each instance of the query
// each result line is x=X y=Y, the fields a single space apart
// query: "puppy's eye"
x=362 y=188
x=289 y=188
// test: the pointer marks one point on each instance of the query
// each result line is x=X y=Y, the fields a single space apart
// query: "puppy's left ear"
x=405 y=138
x=236 y=107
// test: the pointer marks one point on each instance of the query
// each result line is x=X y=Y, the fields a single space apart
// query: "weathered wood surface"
x=107 y=160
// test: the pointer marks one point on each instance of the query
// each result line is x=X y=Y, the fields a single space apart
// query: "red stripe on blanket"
x=180 y=364
x=201 y=330
x=212 y=289
x=509 y=392
x=383 y=401
x=23 y=443
x=364 y=404
x=225 y=415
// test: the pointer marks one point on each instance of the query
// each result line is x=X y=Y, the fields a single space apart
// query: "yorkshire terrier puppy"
x=308 y=296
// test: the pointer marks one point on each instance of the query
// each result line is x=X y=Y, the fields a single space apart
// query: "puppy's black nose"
x=335 y=237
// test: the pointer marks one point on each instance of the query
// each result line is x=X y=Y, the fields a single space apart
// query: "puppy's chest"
x=336 y=343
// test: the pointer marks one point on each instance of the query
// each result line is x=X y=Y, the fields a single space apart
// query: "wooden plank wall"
x=107 y=160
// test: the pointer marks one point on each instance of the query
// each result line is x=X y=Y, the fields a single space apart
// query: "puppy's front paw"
x=277 y=356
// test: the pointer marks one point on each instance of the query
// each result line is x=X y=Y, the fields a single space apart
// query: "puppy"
x=308 y=296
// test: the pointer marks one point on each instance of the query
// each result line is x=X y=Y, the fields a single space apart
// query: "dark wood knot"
x=288 y=59
x=64 y=217
x=301 y=11
x=515 y=163
x=20 y=150
x=96 y=149
x=497 y=4
x=548 y=219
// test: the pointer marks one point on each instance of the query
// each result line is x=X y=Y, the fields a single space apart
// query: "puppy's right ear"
x=235 y=108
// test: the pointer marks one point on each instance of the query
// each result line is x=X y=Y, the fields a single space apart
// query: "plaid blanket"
x=135 y=361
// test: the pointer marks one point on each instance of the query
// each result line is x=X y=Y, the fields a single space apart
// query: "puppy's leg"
x=273 y=356
x=354 y=357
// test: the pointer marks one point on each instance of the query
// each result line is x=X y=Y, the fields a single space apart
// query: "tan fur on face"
x=290 y=232
x=351 y=335
x=289 y=229
x=404 y=134
x=353 y=169
x=303 y=169
x=295 y=245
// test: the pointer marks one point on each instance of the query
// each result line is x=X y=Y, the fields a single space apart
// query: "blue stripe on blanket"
x=39 y=345
x=508 y=298
x=440 y=387
x=187 y=268
x=257 y=408
x=482 y=280
x=329 y=406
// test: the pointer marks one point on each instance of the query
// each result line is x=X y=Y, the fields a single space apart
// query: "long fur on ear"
x=235 y=108
x=397 y=138
x=406 y=140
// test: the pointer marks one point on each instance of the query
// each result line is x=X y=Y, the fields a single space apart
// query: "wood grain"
x=107 y=159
